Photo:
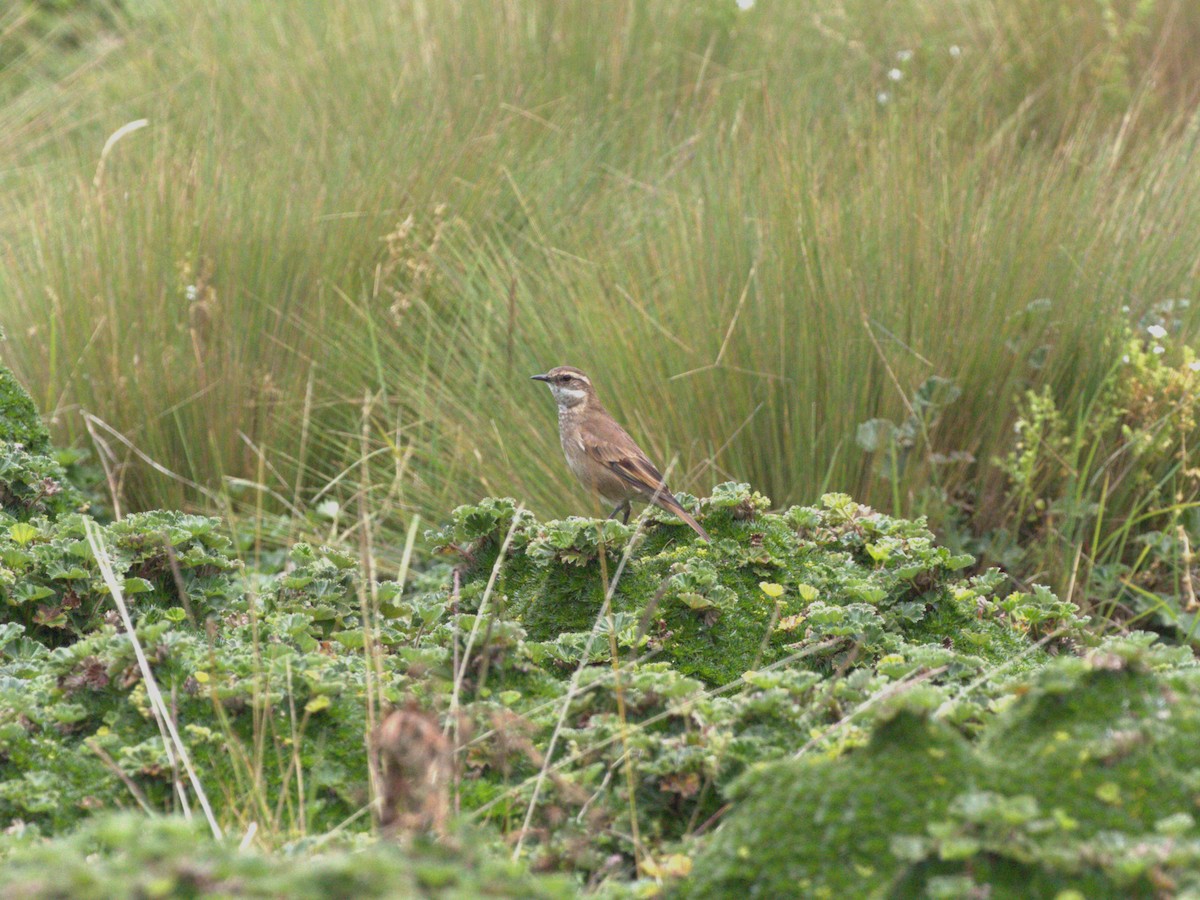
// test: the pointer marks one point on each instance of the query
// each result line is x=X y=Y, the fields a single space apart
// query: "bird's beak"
x=540 y=377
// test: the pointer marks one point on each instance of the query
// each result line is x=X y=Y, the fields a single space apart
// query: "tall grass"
x=744 y=225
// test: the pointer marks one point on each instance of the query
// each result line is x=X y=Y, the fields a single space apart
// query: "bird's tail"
x=668 y=502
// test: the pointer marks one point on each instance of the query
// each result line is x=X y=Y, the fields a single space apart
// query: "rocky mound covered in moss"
x=845 y=584
x=627 y=702
x=1087 y=785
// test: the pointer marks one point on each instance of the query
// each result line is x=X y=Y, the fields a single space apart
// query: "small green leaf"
x=1109 y=792
x=958 y=847
x=137 y=586
x=868 y=593
x=352 y=640
x=807 y=592
x=22 y=533
x=878 y=553
x=696 y=601
x=316 y=704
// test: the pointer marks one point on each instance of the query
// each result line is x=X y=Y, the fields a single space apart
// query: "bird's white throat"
x=567 y=396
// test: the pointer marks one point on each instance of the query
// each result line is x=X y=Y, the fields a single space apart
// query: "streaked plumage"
x=601 y=453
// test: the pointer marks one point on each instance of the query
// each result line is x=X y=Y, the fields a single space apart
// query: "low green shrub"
x=840 y=574
x=53 y=587
x=35 y=484
x=1108 y=501
x=782 y=633
x=777 y=634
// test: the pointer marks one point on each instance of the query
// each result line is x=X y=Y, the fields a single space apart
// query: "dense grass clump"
x=351 y=232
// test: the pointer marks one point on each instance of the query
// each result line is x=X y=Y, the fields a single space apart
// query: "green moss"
x=1088 y=782
x=1110 y=739
x=20 y=422
x=839 y=819
x=130 y=856
x=33 y=475
x=859 y=583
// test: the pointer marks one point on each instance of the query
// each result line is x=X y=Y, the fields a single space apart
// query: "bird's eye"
x=564 y=379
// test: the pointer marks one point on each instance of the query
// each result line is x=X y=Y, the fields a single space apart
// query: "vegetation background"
x=293 y=263
x=351 y=231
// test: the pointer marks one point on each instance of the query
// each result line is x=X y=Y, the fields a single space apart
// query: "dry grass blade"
x=645 y=723
x=573 y=686
x=461 y=672
x=172 y=741
x=111 y=765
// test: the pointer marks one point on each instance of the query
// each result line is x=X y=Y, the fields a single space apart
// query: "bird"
x=602 y=454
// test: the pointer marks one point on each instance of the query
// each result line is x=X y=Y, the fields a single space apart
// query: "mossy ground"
x=1087 y=782
x=128 y=856
x=821 y=697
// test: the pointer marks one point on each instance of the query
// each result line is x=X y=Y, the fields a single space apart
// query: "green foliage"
x=789 y=634
x=794 y=295
x=52 y=587
x=1116 y=484
x=131 y=857
x=894 y=442
x=20 y=422
x=234 y=683
x=1085 y=782
x=34 y=484
x=33 y=475
x=796 y=617
x=850 y=578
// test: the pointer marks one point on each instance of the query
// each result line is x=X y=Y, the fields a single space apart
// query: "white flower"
x=1157 y=332
x=895 y=74
x=904 y=55
x=191 y=292
x=955 y=51
x=1159 y=349
x=745 y=4
x=1125 y=309
x=1194 y=366
x=1125 y=358
x=883 y=97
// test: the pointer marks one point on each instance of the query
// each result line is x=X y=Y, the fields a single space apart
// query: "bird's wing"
x=619 y=454
x=615 y=450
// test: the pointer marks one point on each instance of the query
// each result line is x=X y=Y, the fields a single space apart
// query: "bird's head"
x=569 y=386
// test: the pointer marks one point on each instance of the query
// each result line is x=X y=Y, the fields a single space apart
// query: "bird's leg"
x=622 y=506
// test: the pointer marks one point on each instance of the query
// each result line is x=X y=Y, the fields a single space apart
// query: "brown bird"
x=601 y=453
